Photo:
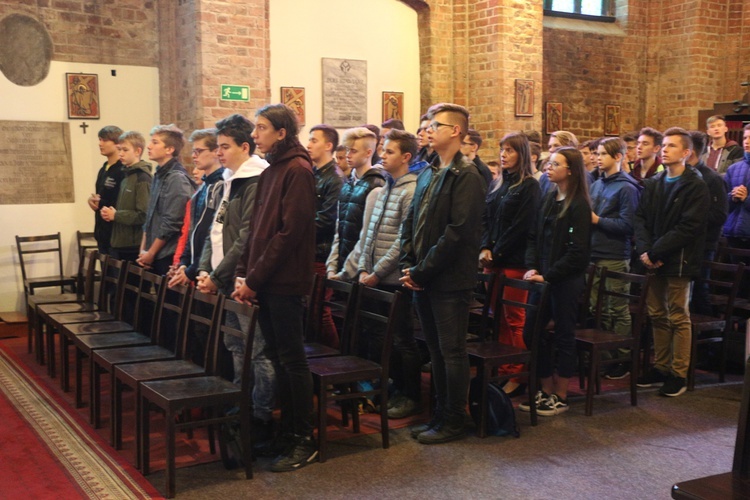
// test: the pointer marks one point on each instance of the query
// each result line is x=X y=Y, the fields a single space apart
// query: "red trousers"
x=512 y=319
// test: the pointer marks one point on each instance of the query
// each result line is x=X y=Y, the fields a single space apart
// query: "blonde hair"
x=353 y=134
x=134 y=138
x=566 y=138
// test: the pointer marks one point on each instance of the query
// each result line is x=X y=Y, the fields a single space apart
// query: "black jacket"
x=570 y=249
x=445 y=257
x=673 y=229
x=108 y=188
x=327 y=188
x=719 y=206
x=509 y=213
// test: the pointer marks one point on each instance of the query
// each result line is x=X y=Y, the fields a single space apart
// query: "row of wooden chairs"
x=140 y=354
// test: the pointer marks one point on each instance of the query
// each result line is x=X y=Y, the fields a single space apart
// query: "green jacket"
x=132 y=203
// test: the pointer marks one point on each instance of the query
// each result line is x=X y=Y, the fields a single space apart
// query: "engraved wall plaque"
x=35 y=163
x=344 y=92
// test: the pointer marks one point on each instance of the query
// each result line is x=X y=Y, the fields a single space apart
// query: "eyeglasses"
x=435 y=125
x=198 y=151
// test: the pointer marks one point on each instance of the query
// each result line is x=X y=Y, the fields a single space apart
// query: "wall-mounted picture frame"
x=294 y=97
x=612 y=120
x=83 y=96
x=393 y=106
x=553 y=117
x=524 y=97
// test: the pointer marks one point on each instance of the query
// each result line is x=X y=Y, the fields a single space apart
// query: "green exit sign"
x=235 y=93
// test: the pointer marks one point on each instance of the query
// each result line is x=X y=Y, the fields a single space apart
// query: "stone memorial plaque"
x=344 y=92
x=35 y=163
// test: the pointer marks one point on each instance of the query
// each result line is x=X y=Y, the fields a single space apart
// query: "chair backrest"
x=203 y=311
x=84 y=242
x=170 y=314
x=112 y=284
x=585 y=299
x=637 y=297
x=128 y=308
x=89 y=277
x=312 y=316
x=29 y=245
x=345 y=301
x=483 y=294
x=725 y=281
x=240 y=309
x=536 y=301
x=371 y=306
x=735 y=255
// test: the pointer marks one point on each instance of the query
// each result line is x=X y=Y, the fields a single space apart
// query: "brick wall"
x=674 y=58
x=95 y=31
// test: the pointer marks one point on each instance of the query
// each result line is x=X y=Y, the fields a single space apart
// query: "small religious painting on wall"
x=294 y=97
x=553 y=117
x=612 y=119
x=524 y=97
x=393 y=106
x=83 y=95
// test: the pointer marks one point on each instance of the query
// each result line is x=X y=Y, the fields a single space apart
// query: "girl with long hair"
x=558 y=252
x=510 y=212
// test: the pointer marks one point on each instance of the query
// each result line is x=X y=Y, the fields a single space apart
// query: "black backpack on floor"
x=501 y=416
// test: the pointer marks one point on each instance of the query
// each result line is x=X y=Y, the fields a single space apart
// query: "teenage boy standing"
x=670 y=228
x=440 y=242
x=171 y=190
x=107 y=185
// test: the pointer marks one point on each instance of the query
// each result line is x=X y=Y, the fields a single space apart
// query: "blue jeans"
x=280 y=320
x=264 y=376
x=445 y=320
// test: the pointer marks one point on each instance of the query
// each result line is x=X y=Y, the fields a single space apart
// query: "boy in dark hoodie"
x=721 y=153
x=132 y=201
x=614 y=198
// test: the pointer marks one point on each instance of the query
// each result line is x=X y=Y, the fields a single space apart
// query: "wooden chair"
x=724 y=294
x=36 y=245
x=132 y=375
x=104 y=351
x=84 y=295
x=344 y=372
x=596 y=340
x=209 y=392
x=489 y=356
x=51 y=318
x=344 y=305
x=735 y=484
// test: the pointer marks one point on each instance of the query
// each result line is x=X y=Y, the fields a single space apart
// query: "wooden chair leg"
x=322 y=420
x=593 y=375
x=79 y=378
x=144 y=411
x=115 y=420
x=484 y=381
x=171 y=438
x=30 y=345
x=384 y=413
x=634 y=376
x=246 y=430
x=138 y=427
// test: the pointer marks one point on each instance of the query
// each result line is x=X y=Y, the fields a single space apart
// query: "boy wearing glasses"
x=439 y=247
x=203 y=204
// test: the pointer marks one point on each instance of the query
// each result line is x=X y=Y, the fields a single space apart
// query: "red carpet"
x=53 y=452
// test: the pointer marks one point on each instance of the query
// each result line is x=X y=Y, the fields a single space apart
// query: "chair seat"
x=114 y=339
x=351 y=367
x=156 y=370
x=65 y=307
x=206 y=390
x=720 y=486
x=94 y=328
x=701 y=322
x=603 y=338
x=490 y=350
x=57 y=298
x=48 y=281
x=110 y=357
x=316 y=350
x=58 y=320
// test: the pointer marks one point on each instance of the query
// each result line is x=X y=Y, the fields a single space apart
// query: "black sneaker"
x=419 y=429
x=552 y=406
x=673 y=387
x=274 y=447
x=540 y=396
x=653 y=377
x=617 y=372
x=302 y=453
